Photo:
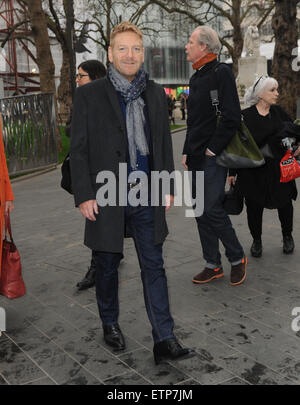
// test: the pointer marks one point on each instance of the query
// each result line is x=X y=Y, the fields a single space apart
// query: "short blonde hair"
x=125 y=26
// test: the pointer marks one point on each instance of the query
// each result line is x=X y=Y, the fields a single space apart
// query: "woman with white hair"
x=261 y=187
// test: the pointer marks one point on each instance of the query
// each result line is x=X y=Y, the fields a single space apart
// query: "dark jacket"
x=202 y=130
x=263 y=183
x=99 y=142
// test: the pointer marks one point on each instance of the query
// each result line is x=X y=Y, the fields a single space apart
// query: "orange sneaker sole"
x=207 y=281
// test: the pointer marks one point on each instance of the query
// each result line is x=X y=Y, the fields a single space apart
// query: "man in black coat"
x=122 y=120
x=204 y=141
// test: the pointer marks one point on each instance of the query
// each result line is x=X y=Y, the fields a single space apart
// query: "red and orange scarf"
x=209 y=57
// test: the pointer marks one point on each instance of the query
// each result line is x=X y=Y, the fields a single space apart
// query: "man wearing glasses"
x=120 y=119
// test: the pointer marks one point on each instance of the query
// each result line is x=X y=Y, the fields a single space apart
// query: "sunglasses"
x=256 y=83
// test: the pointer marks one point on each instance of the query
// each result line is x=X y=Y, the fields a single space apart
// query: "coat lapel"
x=115 y=103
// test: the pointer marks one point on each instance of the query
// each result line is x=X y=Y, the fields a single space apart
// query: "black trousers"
x=182 y=113
x=255 y=215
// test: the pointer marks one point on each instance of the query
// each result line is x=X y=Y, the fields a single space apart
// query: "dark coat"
x=263 y=183
x=203 y=131
x=99 y=142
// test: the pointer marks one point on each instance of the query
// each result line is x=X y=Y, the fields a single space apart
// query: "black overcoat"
x=262 y=184
x=99 y=142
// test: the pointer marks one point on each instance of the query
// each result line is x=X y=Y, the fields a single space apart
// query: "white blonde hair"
x=252 y=94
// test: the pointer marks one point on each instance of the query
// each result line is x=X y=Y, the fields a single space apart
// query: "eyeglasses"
x=80 y=76
x=135 y=49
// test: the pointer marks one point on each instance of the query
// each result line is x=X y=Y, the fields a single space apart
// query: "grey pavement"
x=242 y=335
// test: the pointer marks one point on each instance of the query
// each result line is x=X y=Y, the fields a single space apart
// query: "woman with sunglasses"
x=261 y=186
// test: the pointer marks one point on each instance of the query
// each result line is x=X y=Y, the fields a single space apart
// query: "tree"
x=106 y=14
x=234 y=12
x=60 y=21
x=284 y=25
x=44 y=58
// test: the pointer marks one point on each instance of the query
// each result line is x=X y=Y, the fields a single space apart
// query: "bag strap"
x=214 y=94
x=8 y=227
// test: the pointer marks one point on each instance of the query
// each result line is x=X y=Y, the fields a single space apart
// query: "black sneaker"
x=288 y=244
x=208 y=275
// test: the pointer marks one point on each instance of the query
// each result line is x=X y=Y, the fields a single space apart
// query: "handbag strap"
x=214 y=94
x=8 y=227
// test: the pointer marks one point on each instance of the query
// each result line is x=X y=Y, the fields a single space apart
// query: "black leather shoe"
x=89 y=280
x=256 y=248
x=114 y=337
x=169 y=349
x=288 y=244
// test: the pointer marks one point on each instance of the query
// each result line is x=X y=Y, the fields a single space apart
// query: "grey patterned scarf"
x=135 y=119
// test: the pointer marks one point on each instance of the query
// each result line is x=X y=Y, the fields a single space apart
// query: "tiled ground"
x=242 y=335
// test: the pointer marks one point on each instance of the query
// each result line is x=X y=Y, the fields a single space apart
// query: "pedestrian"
x=171 y=107
x=6 y=194
x=123 y=119
x=88 y=71
x=204 y=141
x=261 y=186
x=182 y=105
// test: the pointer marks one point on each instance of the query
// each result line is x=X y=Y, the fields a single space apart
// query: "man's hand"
x=231 y=180
x=169 y=201
x=88 y=209
x=9 y=206
x=184 y=161
x=297 y=151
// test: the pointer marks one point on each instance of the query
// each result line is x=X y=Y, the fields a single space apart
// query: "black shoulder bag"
x=242 y=151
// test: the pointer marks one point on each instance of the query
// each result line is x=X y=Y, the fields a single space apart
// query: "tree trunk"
x=64 y=93
x=237 y=38
x=238 y=43
x=42 y=43
x=44 y=58
x=285 y=31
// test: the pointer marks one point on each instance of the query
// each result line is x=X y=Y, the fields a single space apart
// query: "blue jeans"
x=214 y=224
x=140 y=221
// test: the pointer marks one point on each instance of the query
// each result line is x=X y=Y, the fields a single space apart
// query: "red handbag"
x=11 y=281
x=289 y=167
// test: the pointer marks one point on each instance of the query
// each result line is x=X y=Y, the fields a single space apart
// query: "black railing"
x=29 y=132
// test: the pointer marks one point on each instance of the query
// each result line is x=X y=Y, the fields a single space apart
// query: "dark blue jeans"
x=214 y=224
x=140 y=221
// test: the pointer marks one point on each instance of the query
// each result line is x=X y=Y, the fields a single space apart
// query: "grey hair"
x=210 y=38
x=252 y=94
